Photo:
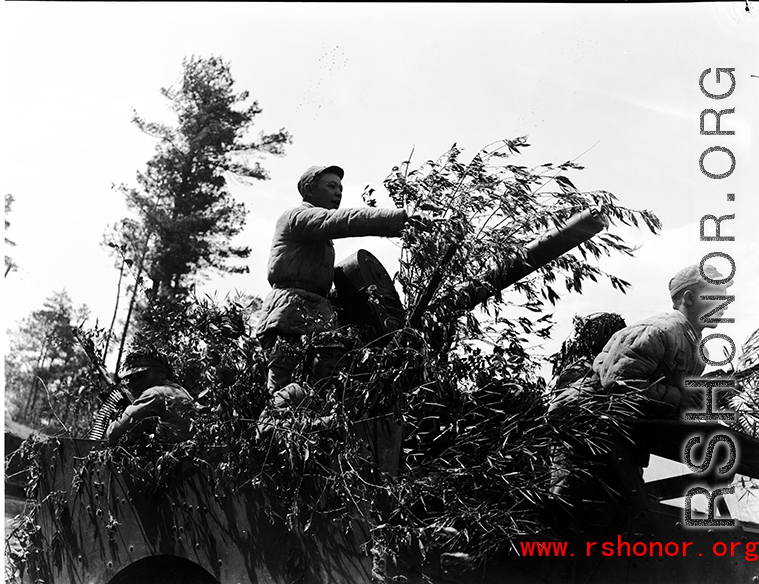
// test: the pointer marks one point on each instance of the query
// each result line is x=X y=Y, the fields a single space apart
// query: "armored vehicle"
x=94 y=522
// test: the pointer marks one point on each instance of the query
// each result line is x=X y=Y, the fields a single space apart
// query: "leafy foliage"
x=208 y=344
x=488 y=210
x=743 y=398
x=22 y=536
x=588 y=337
x=474 y=475
x=477 y=435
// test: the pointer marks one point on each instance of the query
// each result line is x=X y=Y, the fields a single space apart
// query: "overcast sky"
x=361 y=86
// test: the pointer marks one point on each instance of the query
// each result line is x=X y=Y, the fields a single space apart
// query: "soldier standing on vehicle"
x=162 y=406
x=302 y=263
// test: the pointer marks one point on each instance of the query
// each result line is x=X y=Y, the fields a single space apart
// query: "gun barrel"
x=549 y=246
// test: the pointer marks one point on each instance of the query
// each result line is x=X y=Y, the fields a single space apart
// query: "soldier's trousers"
x=284 y=355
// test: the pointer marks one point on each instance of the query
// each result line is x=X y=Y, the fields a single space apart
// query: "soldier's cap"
x=313 y=173
x=139 y=362
x=691 y=276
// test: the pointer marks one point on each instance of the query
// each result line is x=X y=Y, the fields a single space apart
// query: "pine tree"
x=182 y=201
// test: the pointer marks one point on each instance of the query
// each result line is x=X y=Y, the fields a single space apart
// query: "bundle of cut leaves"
x=476 y=468
x=587 y=339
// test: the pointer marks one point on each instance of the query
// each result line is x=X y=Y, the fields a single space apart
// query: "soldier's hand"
x=421 y=221
x=434 y=209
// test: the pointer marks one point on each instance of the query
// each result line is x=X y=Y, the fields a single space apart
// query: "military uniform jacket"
x=302 y=262
x=169 y=406
x=655 y=356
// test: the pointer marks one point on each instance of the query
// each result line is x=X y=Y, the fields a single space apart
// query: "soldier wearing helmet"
x=161 y=405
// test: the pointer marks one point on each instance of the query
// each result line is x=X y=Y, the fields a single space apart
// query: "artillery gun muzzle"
x=536 y=254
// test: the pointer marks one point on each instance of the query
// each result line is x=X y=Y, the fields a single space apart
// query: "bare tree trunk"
x=115 y=308
x=31 y=399
x=132 y=299
x=128 y=319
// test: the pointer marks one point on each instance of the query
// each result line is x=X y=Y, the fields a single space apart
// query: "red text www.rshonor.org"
x=748 y=550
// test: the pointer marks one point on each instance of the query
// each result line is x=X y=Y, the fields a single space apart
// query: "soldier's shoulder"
x=167 y=389
x=663 y=320
x=672 y=320
x=658 y=327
